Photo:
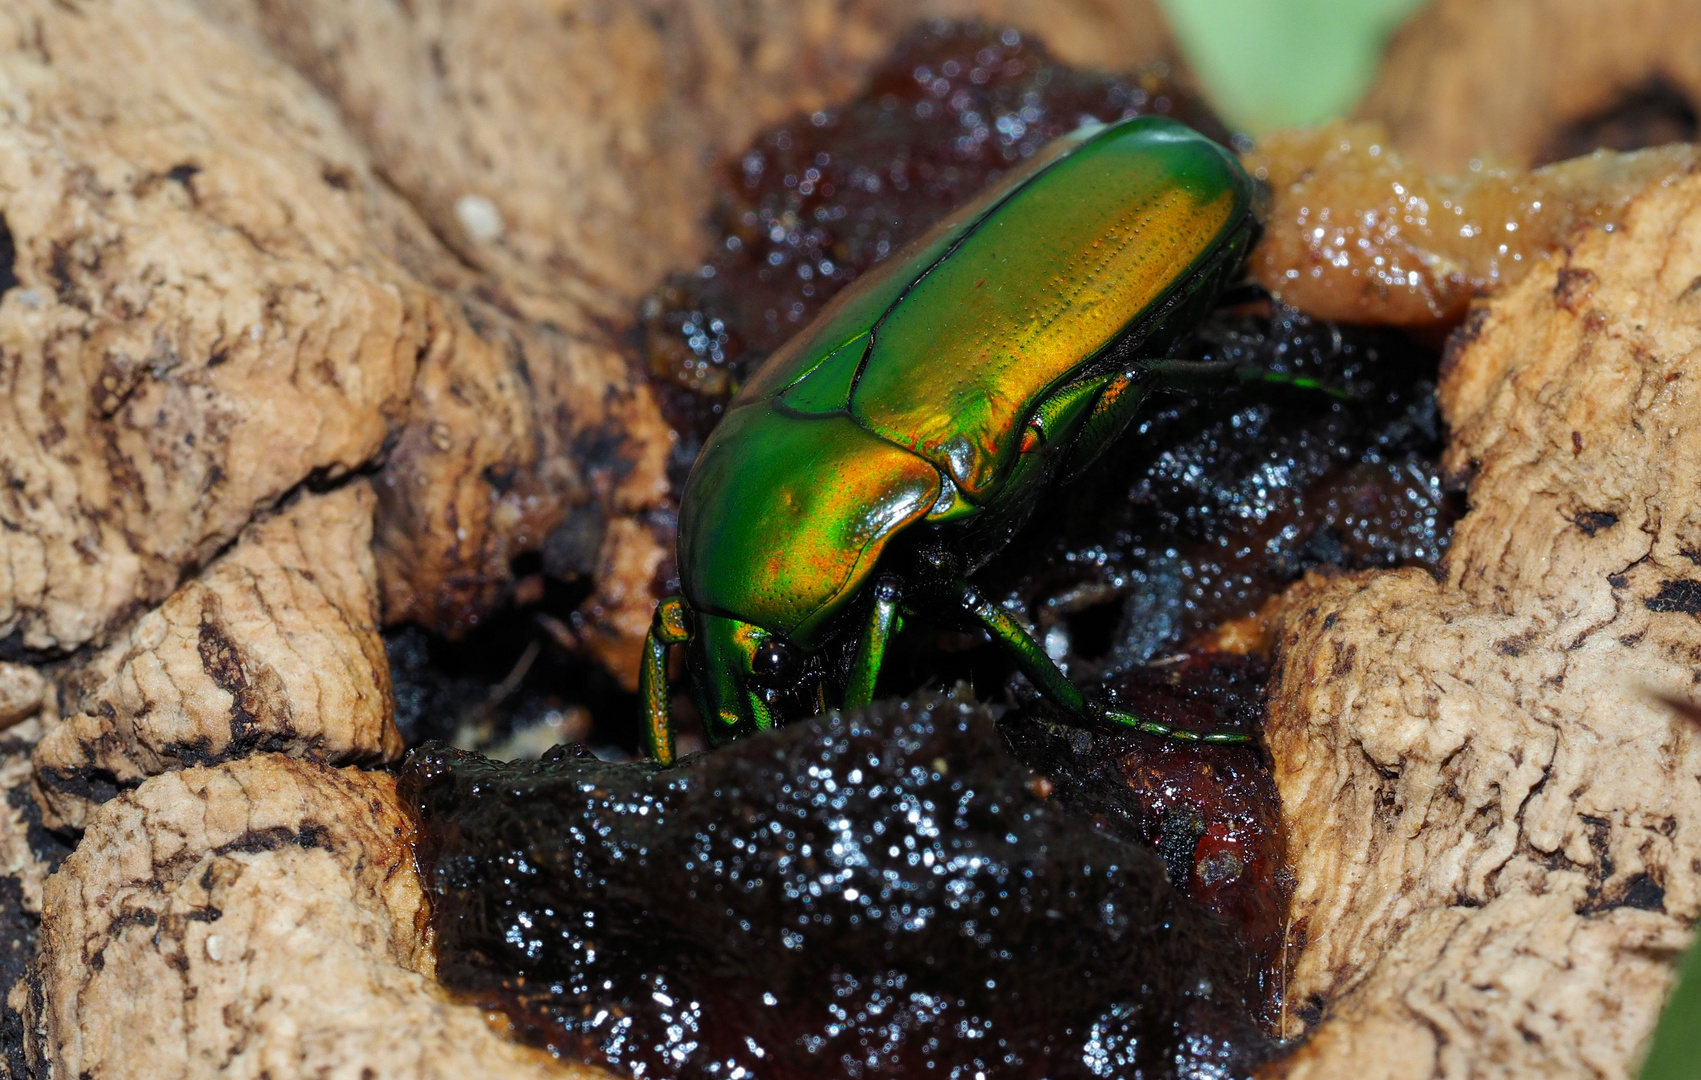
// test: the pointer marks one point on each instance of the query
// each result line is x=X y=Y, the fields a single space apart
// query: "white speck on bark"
x=479 y=217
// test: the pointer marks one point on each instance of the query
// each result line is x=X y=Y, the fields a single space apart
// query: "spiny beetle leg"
x=671 y=626
x=1152 y=727
x=871 y=649
x=1212 y=374
x=1044 y=673
x=1029 y=657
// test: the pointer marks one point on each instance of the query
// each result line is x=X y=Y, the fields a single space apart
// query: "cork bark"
x=261 y=918
x=311 y=319
x=1492 y=781
x=274 y=647
x=1522 y=82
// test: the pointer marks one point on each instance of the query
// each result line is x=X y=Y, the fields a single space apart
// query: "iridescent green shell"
x=913 y=388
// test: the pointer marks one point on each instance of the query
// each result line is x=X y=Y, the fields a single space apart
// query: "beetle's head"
x=749 y=678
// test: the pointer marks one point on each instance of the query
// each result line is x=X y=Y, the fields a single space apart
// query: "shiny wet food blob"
x=889 y=894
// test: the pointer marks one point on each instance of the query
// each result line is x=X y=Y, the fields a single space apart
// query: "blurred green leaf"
x=1676 y=1053
x=1269 y=64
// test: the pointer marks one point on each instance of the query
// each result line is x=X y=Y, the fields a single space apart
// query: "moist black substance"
x=1212 y=503
x=879 y=895
x=1210 y=812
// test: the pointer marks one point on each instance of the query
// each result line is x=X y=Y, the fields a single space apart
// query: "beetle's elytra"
x=885 y=453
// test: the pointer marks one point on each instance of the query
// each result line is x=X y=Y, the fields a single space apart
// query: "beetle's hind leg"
x=1044 y=673
x=1215 y=374
x=671 y=626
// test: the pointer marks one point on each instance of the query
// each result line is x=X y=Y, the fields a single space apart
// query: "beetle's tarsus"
x=1152 y=727
x=671 y=626
x=1298 y=382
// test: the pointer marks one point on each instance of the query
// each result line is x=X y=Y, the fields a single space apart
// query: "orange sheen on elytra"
x=1042 y=285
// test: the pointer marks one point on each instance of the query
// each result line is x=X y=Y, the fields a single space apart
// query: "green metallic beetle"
x=889 y=450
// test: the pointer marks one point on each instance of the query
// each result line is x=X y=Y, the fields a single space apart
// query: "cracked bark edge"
x=273 y=647
x=1490 y=781
x=261 y=917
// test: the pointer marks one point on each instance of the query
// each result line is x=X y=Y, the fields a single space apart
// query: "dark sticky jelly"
x=888 y=894
x=1209 y=811
x=1211 y=504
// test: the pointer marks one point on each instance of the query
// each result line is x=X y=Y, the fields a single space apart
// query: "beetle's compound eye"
x=776 y=664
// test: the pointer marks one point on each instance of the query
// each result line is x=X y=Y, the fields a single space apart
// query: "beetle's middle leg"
x=1044 y=673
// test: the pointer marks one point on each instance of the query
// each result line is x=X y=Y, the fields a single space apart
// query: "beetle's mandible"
x=889 y=450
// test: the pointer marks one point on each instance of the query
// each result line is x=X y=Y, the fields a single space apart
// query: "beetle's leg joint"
x=672 y=622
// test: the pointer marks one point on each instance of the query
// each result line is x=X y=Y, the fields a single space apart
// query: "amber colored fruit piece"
x=1358 y=233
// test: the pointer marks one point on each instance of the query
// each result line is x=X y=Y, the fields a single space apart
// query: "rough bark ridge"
x=258 y=919
x=22 y=690
x=211 y=299
x=273 y=647
x=1493 y=782
x=195 y=321
x=1505 y=79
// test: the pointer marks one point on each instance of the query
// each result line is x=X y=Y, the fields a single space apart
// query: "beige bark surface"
x=258 y=919
x=22 y=688
x=199 y=321
x=587 y=125
x=1492 y=782
x=1505 y=78
x=218 y=299
x=273 y=647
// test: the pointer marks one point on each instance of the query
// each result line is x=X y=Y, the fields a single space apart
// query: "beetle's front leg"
x=870 y=653
x=671 y=626
x=1044 y=673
